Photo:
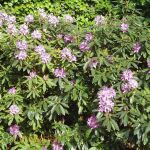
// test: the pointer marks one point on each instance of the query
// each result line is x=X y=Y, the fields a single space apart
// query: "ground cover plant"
x=67 y=87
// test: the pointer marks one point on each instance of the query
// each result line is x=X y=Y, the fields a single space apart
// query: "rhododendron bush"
x=65 y=87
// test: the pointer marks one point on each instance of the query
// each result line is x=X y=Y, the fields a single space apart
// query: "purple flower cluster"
x=60 y=73
x=99 y=20
x=92 y=122
x=93 y=63
x=88 y=37
x=11 y=29
x=136 y=47
x=14 y=130
x=32 y=75
x=45 y=57
x=66 y=54
x=22 y=55
x=129 y=81
x=12 y=90
x=84 y=46
x=57 y=146
x=29 y=18
x=22 y=45
x=23 y=29
x=11 y=19
x=42 y=13
x=105 y=96
x=14 y=109
x=68 y=18
x=53 y=20
x=124 y=27
x=68 y=38
x=36 y=34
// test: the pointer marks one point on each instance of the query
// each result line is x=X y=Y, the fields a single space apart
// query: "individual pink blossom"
x=148 y=63
x=36 y=34
x=22 y=45
x=21 y=55
x=68 y=38
x=42 y=13
x=93 y=63
x=11 y=29
x=11 y=19
x=45 y=57
x=88 y=37
x=53 y=20
x=66 y=54
x=136 y=47
x=127 y=75
x=14 y=130
x=23 y=29
x=60 y=73
x=1 y=23
x=105 y=96
x=32 y=75
x=92 y=122
x=40 y=49
x=84 y=46
x=124 y=27
x=57 y=146
x=99 y=20
x=3 y=16
x=125 y=87
x=12 y=90
x=14 y=109
x=68 y=18
x=29 y=18
x=133 y=84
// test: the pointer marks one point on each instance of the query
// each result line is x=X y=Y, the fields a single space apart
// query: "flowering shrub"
x=65 y=87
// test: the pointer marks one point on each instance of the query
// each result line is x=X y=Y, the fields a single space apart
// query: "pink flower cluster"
x=36 y=34
x=66 y=54
x=57 y=146
x=129 y=81
x=23 y=29
x=136 y=47
x=124 y=27
x=53 y=20
x=12 y=90
x=45 y=57
x=60 y=73
x=105 y=96
x=92 y=122
x=99 y=20
x=29 y=18
x=32 y=75
x=68 y=19
x=11 y=29
x=14 y=130
x=14 y=109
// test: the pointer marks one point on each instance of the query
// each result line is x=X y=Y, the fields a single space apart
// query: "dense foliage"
x=70 y=88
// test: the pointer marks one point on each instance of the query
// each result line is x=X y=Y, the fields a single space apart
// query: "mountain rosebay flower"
x=127 y=75
x=84 y=46
x=93 y=63
x=68 y=38
x=23 y=29
x=32 y=75
x=92 y=122
x=40 y=49
x=148 y=63
x=88 y=37
x=57 y=146
x=11 y=19
x=125 y=87
x=36 y=34
x=21 y=55
x=12 y=90
x=22 y=45
x=3 y=16
x=14 y=109
x=14 y=130
x=42 y=13
x=99 y=20
x=29 y=18
x=45 y=57
x=124 y=27
x=105 y=96
x=68 y=18
x=53 y=20
x=133 y=83
x=11 y=29
x=60 y=73
x=136 y=47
